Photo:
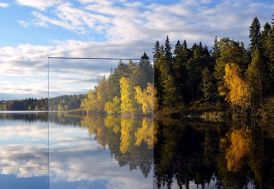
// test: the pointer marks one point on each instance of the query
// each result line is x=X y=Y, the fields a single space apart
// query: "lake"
x=82 y=152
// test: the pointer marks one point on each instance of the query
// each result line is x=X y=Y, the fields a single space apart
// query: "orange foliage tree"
x=237 y=89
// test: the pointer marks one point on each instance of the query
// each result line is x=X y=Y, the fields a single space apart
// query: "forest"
x=229 y=76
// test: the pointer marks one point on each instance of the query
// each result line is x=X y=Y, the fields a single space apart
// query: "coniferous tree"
x=255 y=35
x=167 y=78
x=179 y=67
x=255 y=75
x=207 y=84
x=157 y=75
x=264 y=39
x=271 y=57
x=230 y=52
x=168 y=53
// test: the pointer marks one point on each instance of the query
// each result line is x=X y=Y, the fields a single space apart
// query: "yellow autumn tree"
x=127 y=100
x=89 y=103
x=95 y=99
x=237 y=88
x=113 y=107
x=146 y=98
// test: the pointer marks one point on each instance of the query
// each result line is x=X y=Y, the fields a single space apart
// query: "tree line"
x=243 y=77
x=60 y=103
x=229 y=73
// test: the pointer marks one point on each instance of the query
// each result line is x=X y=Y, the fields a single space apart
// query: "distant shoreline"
x=23 y=111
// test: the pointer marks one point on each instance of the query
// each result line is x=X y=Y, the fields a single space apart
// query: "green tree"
x=255 y=35
x=142 y=73
x=270 y=67
x=181 y=55
x=207 y=84
x=157 y=54
x=255 y=75
x=230 y=52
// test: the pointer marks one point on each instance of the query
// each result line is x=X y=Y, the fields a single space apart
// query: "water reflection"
x=23 y=153
x=114 y=152
x=208 y=155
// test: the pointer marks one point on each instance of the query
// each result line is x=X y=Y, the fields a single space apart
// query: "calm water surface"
x=114 y=153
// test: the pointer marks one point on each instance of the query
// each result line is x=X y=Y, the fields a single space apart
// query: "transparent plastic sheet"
x=23 y=126
x=89 y=148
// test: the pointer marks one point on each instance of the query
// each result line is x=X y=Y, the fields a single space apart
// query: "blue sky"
x=32 y=30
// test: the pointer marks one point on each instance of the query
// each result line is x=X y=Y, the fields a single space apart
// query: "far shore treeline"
x=229 y=76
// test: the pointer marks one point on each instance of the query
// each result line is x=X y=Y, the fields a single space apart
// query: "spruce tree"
x=168 y=53
x=157 y=75
x=179 y=70
x=271 y=57
x=255 y=75
x=207 y=84
x=265 y=37
x=255 y=35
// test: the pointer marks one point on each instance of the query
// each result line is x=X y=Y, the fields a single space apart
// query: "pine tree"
x=157 y=54
x=179 y=69
x=271 y=57
x=168 y=53
x=215 y=49
x=255 y=35
x=169 y=98
x=255 y=75
x=271 y=42
x=230 y=52
x=264 y=38
x=164 y=78
x=207 y=84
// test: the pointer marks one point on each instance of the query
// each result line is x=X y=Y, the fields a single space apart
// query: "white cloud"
x=127 y=28
x=74 y=156
x=39 y=4
x=25 y=72
x=135 y=21
x=71 y=18
x=23 y=23
x=3 y=5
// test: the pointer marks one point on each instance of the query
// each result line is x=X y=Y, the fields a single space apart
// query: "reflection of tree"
x=239 y=147
x=233 y=171
x=113 y=123
x=120 y=136
x=261 y=160
x=96 y=126
x=181 y=153
x=199 y=152
x=126 y=134
x=146 y=133
x=185 y=151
